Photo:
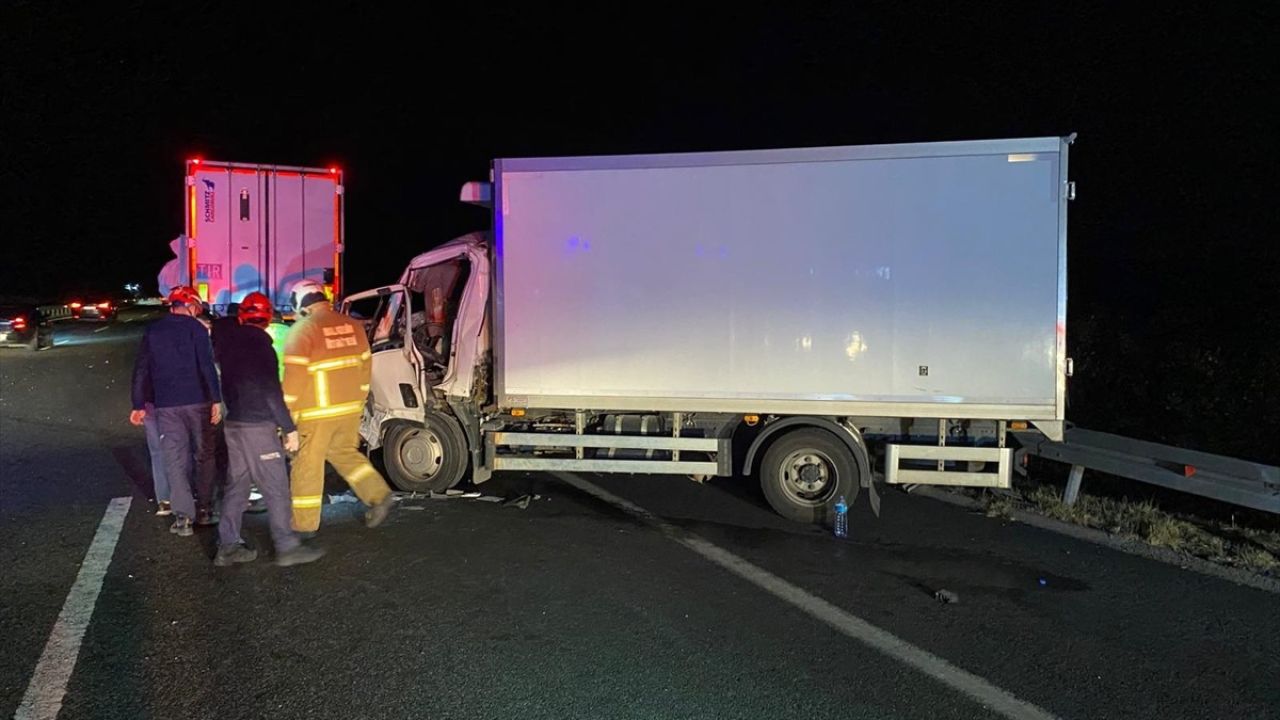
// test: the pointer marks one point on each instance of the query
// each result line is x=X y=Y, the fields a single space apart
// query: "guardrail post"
x=1072 y=493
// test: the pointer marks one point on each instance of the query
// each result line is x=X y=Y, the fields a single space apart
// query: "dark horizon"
x=1170 y=244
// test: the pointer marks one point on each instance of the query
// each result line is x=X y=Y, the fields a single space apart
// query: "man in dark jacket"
x=256 y=418
x=174 y=372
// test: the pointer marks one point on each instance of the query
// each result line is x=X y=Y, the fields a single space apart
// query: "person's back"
x=250 y=379
x=178 y=364
x=336 y=357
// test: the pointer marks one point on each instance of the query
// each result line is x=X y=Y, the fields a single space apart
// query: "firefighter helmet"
x=185 y=295
x=306 y=292
x=255 y=308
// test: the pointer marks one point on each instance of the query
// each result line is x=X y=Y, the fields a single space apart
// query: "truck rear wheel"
x=804 y=472
x=427 y=457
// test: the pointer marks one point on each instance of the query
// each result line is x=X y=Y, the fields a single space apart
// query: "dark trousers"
x=187 y=442
x=255 y=456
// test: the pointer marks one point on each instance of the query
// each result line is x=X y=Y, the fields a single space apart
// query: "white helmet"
x=305 y=292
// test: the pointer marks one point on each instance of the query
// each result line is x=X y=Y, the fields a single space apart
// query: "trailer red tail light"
x=333 y=171
x=18 y=323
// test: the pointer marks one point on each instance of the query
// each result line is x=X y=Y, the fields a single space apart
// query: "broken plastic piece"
x=946 y=597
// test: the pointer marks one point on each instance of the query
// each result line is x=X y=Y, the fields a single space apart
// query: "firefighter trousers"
x=336 y=440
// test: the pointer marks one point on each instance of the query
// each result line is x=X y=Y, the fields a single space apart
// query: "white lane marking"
x=104 y=327
x=43 y=699
x=971 y=685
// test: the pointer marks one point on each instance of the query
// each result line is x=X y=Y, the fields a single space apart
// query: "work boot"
x=299 y=555
x=182 y=527
x=164 y=509
x=378 y=513
x=205 y=518
x=231 y=554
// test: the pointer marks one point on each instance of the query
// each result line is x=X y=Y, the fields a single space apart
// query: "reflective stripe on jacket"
x=326 y=366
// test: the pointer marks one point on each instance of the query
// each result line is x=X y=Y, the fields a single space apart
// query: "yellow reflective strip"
x=308 y=501
x=366 y=355
x=364 y=388
x=290 y=398
x=350 y=408
x=334 y=364
x=297 y=360
x=363 y=473
x=322 y=389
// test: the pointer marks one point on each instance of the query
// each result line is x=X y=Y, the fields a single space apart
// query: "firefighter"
x=256 y=418
x=326 y=380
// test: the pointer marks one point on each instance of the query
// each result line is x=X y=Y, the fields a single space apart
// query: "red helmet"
x=184 y=295
x=255 y=307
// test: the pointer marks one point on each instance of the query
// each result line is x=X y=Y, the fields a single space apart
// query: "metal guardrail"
x=55 y=312
x=1229 y=480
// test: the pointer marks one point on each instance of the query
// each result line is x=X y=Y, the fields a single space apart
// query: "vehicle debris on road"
x=946 y=597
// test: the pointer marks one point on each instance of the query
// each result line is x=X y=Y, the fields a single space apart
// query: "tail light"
x=104 y=305
x=74 y=305
x=18 y=323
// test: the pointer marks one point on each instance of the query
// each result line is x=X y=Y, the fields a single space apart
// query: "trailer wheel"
x=804 y=472
x=427 y=457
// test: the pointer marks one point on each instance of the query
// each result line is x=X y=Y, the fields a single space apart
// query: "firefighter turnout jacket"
x=326 y=366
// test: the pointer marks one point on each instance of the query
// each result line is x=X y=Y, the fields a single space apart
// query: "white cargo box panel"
x=925 y=280
x=262 y=228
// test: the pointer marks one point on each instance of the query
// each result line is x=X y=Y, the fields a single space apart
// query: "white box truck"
x=803 y=314
x=254 y=227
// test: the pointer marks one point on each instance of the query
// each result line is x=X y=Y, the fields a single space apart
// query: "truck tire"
x=427 y=457
x=805 y=471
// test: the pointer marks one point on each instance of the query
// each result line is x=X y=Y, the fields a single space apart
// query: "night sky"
x=1172 y=241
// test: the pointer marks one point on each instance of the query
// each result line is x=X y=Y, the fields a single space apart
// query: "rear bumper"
x=11 y=339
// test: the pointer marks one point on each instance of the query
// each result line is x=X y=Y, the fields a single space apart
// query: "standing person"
x=256 y=418
x=326 y=381
x=174 y=373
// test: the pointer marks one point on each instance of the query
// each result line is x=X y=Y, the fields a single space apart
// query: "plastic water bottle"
x=842 y=518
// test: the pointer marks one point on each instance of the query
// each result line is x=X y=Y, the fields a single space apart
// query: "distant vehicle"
x=93 y=306
x=25 y=326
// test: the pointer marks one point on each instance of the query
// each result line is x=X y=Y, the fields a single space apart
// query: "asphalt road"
x=573 y=607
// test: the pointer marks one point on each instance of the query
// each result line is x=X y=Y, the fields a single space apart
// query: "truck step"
x=895 y=474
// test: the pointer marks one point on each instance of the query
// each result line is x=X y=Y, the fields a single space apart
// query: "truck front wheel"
x=804 y=472
x=427 y=457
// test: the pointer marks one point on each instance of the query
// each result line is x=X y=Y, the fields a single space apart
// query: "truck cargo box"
x=924 y=280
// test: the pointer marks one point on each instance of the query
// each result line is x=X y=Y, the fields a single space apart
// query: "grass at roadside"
x=1225 y=543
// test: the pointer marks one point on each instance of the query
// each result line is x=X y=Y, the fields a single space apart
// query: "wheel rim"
x=809 y=477
x=421 y=453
